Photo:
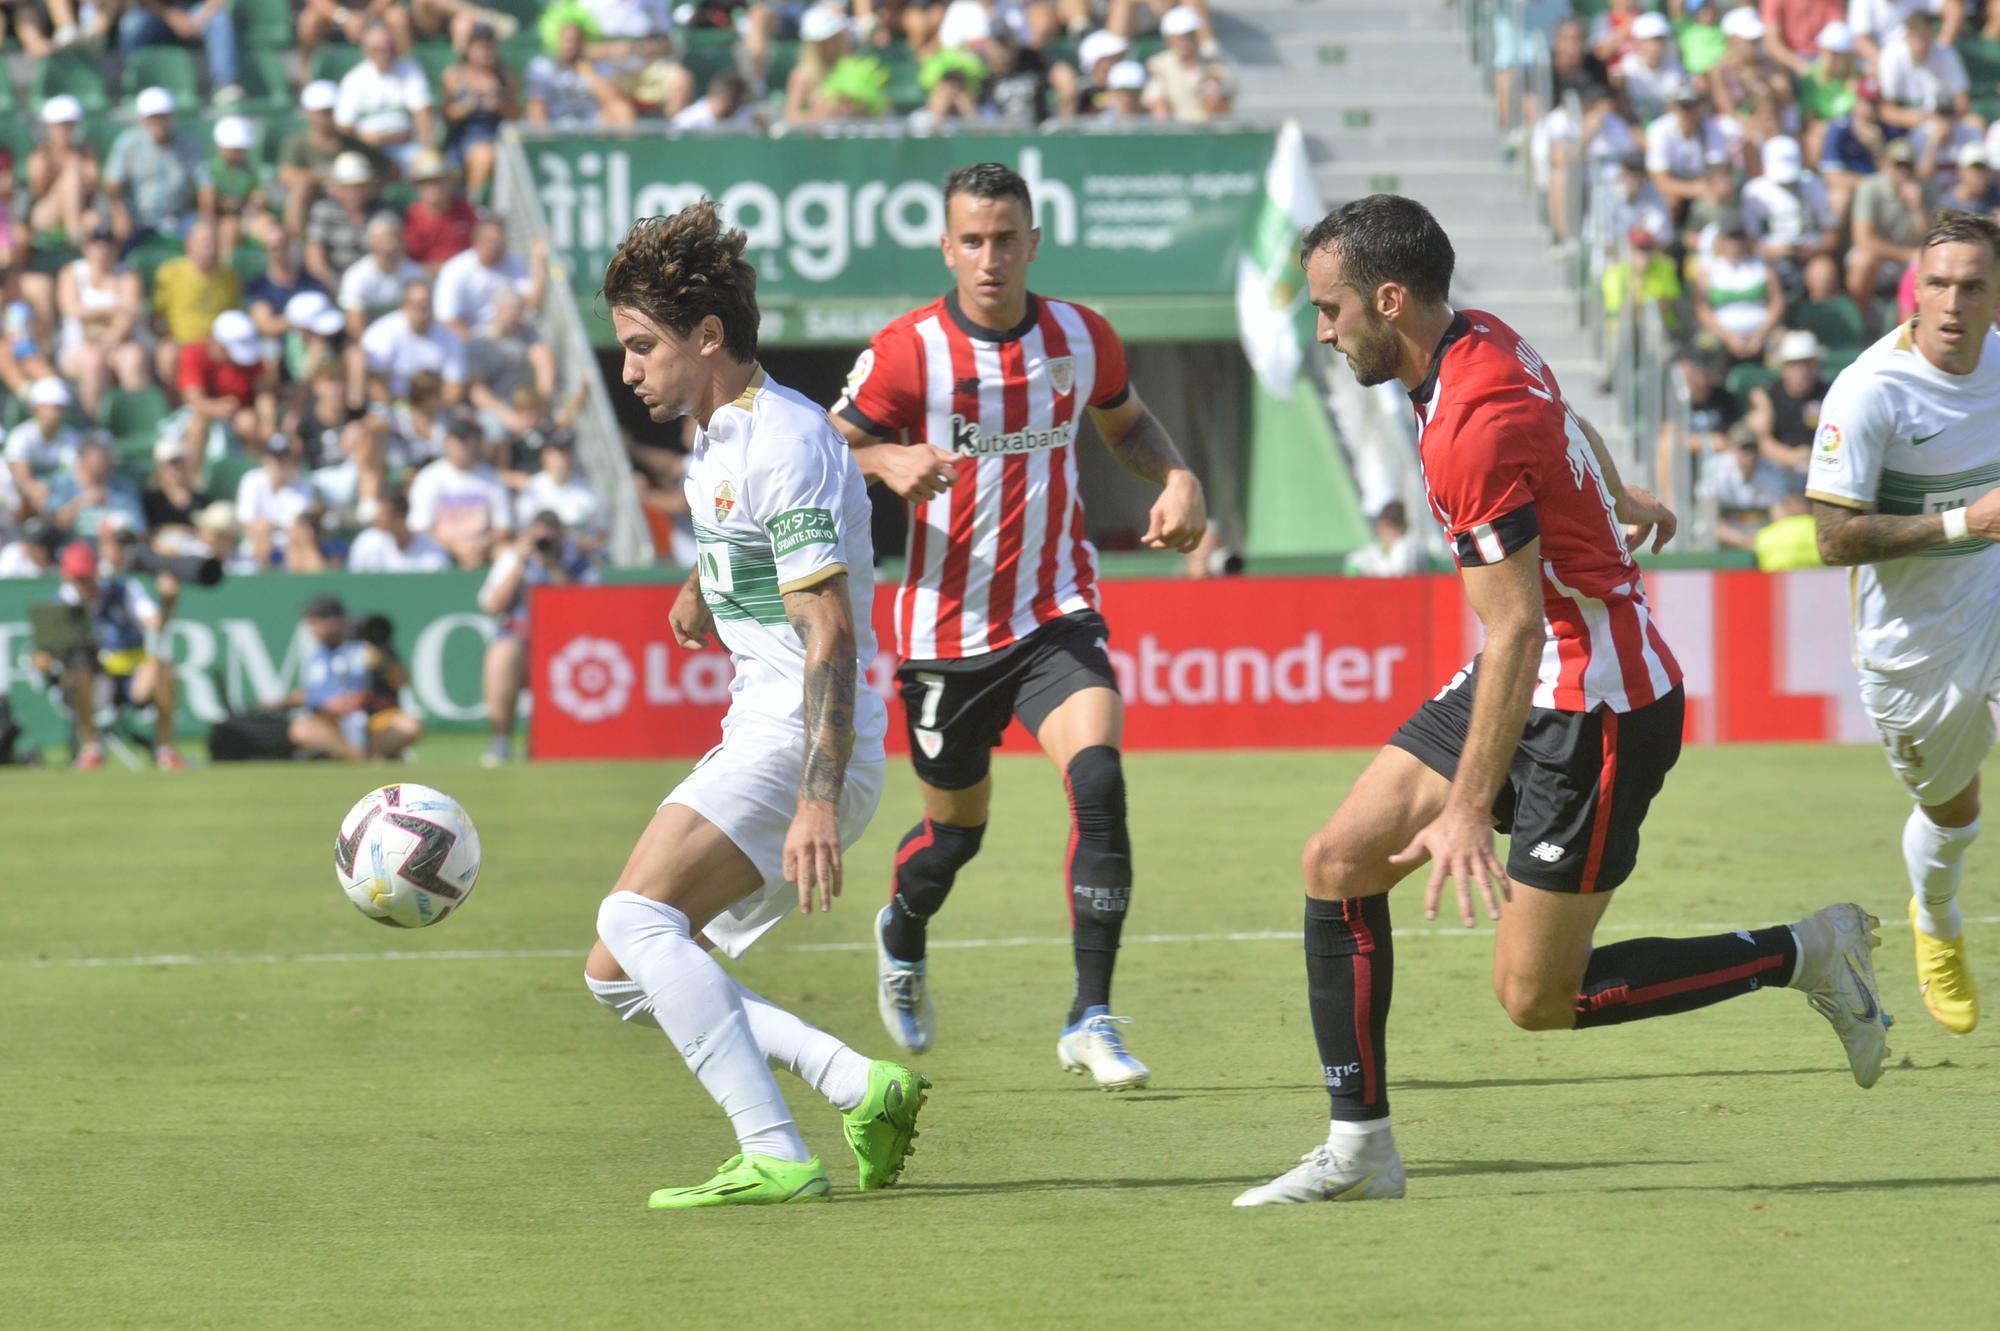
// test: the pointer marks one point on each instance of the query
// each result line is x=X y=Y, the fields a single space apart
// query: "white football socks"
x=1935 y=857
x=1341 y=1133
x=696 y=1004
x=810 y=1054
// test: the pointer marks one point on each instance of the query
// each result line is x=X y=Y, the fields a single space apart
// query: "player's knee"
x=1332 y=864
x=1535 y=1006
x=1096 y=781
x=932 y=853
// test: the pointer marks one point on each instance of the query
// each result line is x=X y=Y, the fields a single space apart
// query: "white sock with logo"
x=696 y=1004
x=809 y=1053
x=1935 y=857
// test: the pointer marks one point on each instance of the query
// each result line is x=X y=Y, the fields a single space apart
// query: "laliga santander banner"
x=1307 y=662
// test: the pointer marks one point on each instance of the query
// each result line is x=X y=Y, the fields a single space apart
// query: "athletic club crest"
x=725 y=501
x=1062 y=374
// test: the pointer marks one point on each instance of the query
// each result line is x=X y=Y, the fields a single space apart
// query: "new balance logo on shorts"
x=1547 y=852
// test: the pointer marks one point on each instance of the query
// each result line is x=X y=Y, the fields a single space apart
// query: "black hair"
x=989 y=180
x=678 y=270
x=1385 y=238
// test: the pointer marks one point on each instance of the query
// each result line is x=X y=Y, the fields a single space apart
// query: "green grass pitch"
x=294 y=1118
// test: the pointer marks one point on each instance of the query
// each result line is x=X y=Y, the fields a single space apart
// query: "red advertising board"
x=1305 y=662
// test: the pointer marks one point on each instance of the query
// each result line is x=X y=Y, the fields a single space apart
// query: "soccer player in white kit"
x=785 y=579
x=1905 y=467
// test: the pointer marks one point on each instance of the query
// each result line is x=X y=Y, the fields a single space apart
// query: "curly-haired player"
x=781 y=515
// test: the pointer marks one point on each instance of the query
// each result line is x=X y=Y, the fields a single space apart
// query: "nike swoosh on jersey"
x=1918 y=440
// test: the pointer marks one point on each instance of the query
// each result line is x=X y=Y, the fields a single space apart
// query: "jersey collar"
x=1459 y=327
x=980 y=332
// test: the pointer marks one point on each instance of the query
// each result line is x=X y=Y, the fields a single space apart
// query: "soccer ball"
x=406 y=855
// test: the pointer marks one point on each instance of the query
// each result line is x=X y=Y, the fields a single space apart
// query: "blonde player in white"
x=785 y=579
x=1905 y=484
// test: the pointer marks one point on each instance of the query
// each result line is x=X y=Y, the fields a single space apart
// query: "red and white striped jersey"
x=1504 y=462
x=1002 y=551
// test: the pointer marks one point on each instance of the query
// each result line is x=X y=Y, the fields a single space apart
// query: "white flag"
x=1270 y=289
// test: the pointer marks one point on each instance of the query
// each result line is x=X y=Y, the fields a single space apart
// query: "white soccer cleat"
x=1093 y=1046
x=1837 y=941
x=1368 y=1170
x=902 y=996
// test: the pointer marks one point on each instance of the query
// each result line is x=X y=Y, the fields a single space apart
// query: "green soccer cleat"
x=880 y=1128
x=750 y=1180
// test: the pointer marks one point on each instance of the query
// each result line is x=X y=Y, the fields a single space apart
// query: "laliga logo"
x=591 y=679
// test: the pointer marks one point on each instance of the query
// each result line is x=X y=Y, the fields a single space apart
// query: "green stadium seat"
x=518 y=50
x=265 y=25
x=1746 y=376
x=333 y=59
x=101 y=131
x=226 y=473
x=169 y=67
x=249 y=261
x=146 y=257
x=82 y=77
x=1982 y=64
x=132 y=411
x=9 y=102
x=267 y=85
x=1836 y=322
x=433 y=58
x=708 y=51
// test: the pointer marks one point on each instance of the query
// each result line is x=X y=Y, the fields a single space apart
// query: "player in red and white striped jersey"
x=969 y=408
x=1561 y=732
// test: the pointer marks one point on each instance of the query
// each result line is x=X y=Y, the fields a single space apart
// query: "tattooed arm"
x=1850 y=536
x=1140 y=443
x=823 y=617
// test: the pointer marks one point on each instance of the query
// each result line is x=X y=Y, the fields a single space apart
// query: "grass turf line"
x=355 y=1145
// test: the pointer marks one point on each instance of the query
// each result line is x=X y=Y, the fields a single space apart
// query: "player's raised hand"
x=1644 y=515
x=812 y=853
x=918 y=472
x=1460 y=847
x=690 y=618
x=1180 y=515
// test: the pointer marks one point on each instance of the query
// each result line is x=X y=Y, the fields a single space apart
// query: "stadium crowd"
x=1763 y=173
x=248 y=292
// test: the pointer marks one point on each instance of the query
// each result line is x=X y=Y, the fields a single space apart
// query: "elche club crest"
x=725 y=501
x=1062 y=374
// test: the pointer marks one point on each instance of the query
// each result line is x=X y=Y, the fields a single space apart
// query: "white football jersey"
x=779 y=504
x=1899 y=435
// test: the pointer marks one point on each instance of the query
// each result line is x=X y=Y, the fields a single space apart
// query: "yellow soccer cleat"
x=1944 y=978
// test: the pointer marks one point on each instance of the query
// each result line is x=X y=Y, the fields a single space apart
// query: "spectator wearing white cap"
x=316 y=337
x=1182 y=84
x=825 y=37
x=567 y=88
x=1095 y=55
x=189 y=291
x=63 y=171
x=186 y=23
x=1746 y=75
x=235 y=188
x=1784 y=415
x=1124 y=82
x=154 y=170
x=1644 y=73
x=408 y=341
x=373 y=285
x=1975 y=190
x=1793 y=30
x=1788 y=213
x=103 y=333
x=307 y=154
x=385 y=101
x=319 y=20
x=1828 y=84
x=171 y=498
x=1921 y=76
x=228 y=387
x=42 y=445
x=337 y=223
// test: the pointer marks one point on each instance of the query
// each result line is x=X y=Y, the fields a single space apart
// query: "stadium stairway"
x=1389 y=98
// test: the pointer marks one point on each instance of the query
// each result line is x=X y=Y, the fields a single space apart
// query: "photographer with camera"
x=542 y=556
x=111 y=666
x=348 y=706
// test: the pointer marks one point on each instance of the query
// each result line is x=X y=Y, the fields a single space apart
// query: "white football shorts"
x=748 y=786
x=1937 y=726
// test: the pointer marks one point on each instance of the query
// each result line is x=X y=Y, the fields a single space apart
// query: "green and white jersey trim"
x=739 y=576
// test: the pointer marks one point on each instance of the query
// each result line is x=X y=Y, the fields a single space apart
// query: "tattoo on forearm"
x=1847 y=537
x=1147 y=451
x=829 y=693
